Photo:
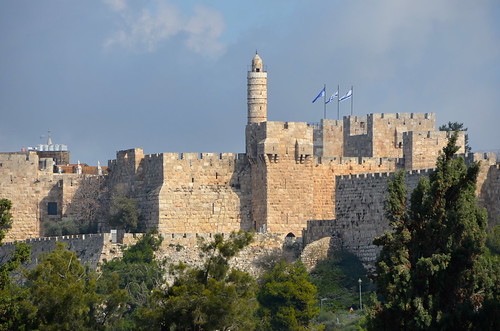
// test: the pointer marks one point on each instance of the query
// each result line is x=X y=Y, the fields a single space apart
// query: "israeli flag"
x=322 y=93
x=346 y=96
x=334 y=95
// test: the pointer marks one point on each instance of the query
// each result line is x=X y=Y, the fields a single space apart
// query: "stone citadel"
x=294 y=180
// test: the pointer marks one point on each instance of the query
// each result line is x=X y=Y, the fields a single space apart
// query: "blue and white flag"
x=334 y=95
x=322 y=93
x=346 y=96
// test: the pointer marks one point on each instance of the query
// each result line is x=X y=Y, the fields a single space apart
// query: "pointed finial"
x=256 y=51
x=49 y=139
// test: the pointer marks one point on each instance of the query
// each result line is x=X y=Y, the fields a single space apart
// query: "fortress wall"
x=135 y=175
x=285 y=149
x=83 y=197
x=150 y=178
x=204 y=193
x=489 y=197
x=324 y=192
x=27 y=186
x=88 y=248
x=357 y=137
x=360 y=210
x=184 y=248
x=488 y=184
x=318 y=229
x=327 y=169
x=290 y=195
x=259 y=189
x=176 y=247
x=70 y=184
x=328 y=138
x=387 y=130
x=421 y=148
x=123 y=179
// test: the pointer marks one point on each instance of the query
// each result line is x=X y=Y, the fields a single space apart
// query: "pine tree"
x=430 y=270
x=287 y=299
x=209 y=297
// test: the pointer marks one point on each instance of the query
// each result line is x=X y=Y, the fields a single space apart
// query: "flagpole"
x=352 y=96
x=324 y=101
x=338 y=102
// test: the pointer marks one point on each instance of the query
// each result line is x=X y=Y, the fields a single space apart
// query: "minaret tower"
x=257 y=92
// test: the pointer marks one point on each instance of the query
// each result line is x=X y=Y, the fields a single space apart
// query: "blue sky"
x=170 y=76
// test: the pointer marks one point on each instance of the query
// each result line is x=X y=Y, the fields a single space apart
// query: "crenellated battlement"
x=404 y=116
x=490 y=158
x=429 y=134
x=378 y=161
x=195 y=156
x=371 y=175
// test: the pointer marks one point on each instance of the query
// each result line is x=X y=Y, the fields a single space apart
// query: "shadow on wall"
x=490 y=195
x=240 y=183
x=75 y=205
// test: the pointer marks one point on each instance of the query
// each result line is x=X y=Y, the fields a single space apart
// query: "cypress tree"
x=430 y=273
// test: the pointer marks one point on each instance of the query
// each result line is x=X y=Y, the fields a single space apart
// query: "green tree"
x=130 y=280
x=16 y=312
x=456 y=126
x=124 y=214
x=287 y=299
x=64 y=227
x=430 y=271
x=63 y=292
x=5 y=217
x=212 y=296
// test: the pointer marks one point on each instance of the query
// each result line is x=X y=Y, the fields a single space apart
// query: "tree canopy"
x=124 y=214
x=209 y=297
x=131 y=279
x=457 y=126
x=287 y=299
x=431 y=273
x=5 y=217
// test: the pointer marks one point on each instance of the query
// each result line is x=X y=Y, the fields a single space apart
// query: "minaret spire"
x=257 y=91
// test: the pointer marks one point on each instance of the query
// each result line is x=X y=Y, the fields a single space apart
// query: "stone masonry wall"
x=176 y=247
x=327 y=169
x=285 y=151
x=489 y=197
x=387 y=130
x=89 y=248
x=29 y=189
x=207 y=192
x=421 y=148
x=359 y=212
x=357 y=137
x=204 y=193
x=488 y=184
x=329 y=138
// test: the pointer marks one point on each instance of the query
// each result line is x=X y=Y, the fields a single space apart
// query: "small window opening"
x=52 y=208
x=257 y=69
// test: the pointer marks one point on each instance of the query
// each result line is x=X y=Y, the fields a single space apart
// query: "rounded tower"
x=257 y=92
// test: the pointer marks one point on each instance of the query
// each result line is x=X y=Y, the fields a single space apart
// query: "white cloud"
x=146 y=28
x=116 y=5
x=204 y=29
